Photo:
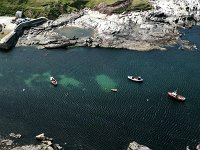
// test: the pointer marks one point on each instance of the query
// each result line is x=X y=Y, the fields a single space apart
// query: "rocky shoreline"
x=153 y=29
x=46 y=143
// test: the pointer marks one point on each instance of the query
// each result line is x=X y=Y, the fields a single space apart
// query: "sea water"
x=82 y=112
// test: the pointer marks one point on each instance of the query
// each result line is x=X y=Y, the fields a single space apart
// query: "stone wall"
x=10 y=40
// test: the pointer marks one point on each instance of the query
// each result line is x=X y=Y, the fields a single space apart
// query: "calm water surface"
x=84 y=113
x=70 y=32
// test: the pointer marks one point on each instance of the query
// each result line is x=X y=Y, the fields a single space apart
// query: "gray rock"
x=33 y=147
x=198 y=147
x=187 y=148
x=58 y=146
x=136 y=146
x=42 y=137
x=49 y=143
x=7 y=142
x=17 y=136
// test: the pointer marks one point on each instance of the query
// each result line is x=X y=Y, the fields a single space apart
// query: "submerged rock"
x=135 y=146
x=42 y=137
x=58 y=146
x=7 y=142
x=17 y=136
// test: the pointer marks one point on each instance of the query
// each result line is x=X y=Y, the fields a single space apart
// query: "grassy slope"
x=140 y=5
x=53 y=8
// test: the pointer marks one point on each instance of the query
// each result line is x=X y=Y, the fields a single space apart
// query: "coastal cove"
x=82 y=111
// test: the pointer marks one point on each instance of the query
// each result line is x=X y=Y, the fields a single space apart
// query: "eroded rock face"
x=131 y=31
x=178 y=11
x=177 y=7
x=136 y=146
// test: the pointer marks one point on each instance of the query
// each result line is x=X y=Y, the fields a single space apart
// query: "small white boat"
x=53 y=81
x=136 y=79
x=114 y=90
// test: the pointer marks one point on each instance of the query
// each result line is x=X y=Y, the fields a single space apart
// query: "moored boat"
x=53 y=81
x=136 y=79
x=114 y=90
x=175 y=96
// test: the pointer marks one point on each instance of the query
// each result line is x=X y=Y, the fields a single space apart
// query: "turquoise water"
x=84 y=113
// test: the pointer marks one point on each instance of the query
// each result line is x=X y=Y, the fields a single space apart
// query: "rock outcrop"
x=46 y=143
x=134 y=30
x=17 y=136
x=135 y=146
x=198 y=147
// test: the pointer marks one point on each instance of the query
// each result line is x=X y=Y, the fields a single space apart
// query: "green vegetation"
x=92 y=3
x=140 y=5
x=53 y=8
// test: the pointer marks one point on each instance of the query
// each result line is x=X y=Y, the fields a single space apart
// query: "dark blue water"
x=84 y=113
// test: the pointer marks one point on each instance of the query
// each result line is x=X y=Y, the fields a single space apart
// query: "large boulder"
x=135 y=146
x=42 y=137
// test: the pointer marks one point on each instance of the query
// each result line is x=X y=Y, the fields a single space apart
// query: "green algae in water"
x=46 y=76
x=29 y=80
x=37 y=78
x=1 y=75
x=105 y=82
x=66 y=81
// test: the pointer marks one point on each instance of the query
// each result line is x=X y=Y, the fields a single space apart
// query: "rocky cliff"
x=143 y=30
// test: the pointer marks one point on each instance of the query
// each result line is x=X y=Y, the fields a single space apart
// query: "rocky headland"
x=144 y=30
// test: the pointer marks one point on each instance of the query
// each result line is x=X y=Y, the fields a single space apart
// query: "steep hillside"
x=53 y=8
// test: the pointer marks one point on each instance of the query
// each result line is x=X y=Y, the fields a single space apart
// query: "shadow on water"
x=6 y=51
